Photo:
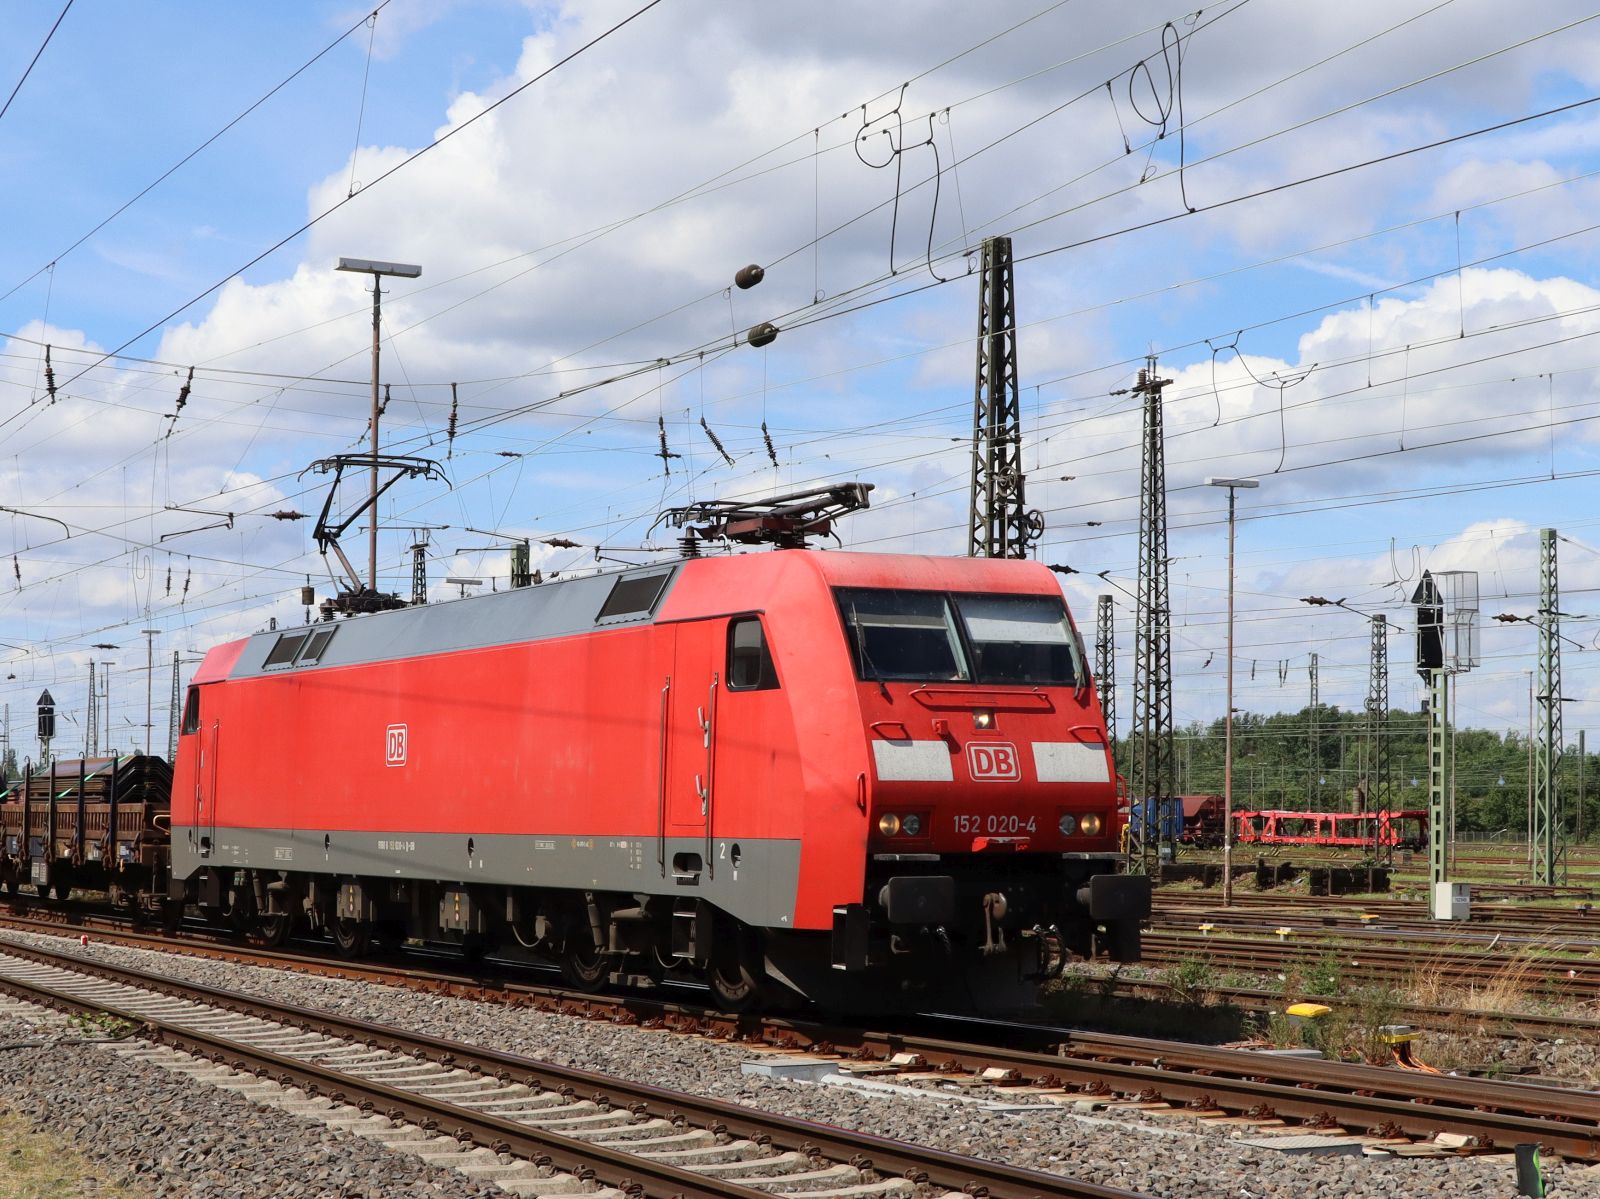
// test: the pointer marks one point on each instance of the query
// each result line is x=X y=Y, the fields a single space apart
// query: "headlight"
x=911 y=825
x=1090 y=824
x=983 y=719
x=888 y=824
x=1068 y=824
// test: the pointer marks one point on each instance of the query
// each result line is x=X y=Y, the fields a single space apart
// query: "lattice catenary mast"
x=999 y=523
x=1547 y=856
x=1105 y=668
x=1376 y=792
x=1150 y=760
x=1313 y=741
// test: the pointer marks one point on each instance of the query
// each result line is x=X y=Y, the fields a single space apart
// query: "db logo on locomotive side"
x=993 y=762
x=394 y=746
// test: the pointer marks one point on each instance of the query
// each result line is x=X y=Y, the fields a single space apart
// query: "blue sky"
x=1423 y=423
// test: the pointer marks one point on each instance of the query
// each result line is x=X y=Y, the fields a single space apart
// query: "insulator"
x=187 y=576
x=308 y=597
x=384 y=407
x=451 y=435
x=748 y=276
x=716 y=441
x=689 y=545
x=169 y=578
x=16 y=569
x=771 y=452
x=763 y=334
x=49 y=376
x=183 y=392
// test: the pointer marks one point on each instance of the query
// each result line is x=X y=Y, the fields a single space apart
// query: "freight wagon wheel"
x=583 y=966
x=352 y=938
x=271 y=929
x=61 y=889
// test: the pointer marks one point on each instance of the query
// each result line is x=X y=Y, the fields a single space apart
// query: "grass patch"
x=34 y=1165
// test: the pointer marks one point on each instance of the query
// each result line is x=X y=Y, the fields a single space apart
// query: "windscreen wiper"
x=866 y=658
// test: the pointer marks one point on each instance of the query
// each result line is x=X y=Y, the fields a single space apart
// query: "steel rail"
x=936 y=1168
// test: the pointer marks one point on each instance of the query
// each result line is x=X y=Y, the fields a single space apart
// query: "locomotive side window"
x=191 y=711
x=633 y=595
x=316 y=646
x=284 y=649
x=902 y=635
x=1020 y=639
x=749 y=660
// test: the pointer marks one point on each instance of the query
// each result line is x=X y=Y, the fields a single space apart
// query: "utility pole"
x=377 y=270
x=998 y=523
x=91 y=723
x=1547 y=864
x=1314 y=744
x=1583 y=762
x=1105 y=668
x=1151 y=752
x=149 y=684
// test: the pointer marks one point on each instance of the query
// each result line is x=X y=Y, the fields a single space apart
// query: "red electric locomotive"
x=843 y=775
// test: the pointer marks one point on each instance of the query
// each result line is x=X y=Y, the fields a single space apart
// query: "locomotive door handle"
x=701 y=790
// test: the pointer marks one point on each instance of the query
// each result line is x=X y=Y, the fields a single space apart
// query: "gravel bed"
x=1162 y=1157
x=168 y=1135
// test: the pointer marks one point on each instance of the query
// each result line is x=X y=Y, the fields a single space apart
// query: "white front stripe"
x=1070 y=762
x=913 y=761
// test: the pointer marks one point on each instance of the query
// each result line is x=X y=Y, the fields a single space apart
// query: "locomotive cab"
x=990 y=798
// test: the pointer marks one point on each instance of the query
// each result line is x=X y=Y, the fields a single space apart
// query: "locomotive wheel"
x=584 y=967
x=734 y=971
x=352 y=938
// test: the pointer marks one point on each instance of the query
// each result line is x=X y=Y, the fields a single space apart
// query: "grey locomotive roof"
x=558 y=608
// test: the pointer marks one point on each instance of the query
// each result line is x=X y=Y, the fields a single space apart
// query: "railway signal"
x=1447 y=644
x=47 y=724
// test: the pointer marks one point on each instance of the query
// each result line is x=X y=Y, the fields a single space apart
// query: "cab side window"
x=749 y=660
x=191 y=711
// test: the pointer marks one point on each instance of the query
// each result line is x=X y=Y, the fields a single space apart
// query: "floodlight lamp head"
x=1215 y=481
x=372 y=266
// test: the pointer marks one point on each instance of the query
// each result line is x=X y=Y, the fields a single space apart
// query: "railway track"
x=685 y=1014
x=566 y=1126
x=1570 y=977
x=1531 y=935
x=1211 y=1082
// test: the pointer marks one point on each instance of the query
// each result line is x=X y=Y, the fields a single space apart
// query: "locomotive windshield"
x=902 y=635
x=927 y=636
x=1019 y=639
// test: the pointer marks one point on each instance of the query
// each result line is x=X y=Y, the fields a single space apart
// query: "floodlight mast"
x=377 y=269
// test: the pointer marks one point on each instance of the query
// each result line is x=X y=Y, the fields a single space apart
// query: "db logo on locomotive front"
x=394 y=745
x=993 y=762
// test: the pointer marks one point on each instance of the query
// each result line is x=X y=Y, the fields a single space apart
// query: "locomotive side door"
x=690 y=796
x=205 y=787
